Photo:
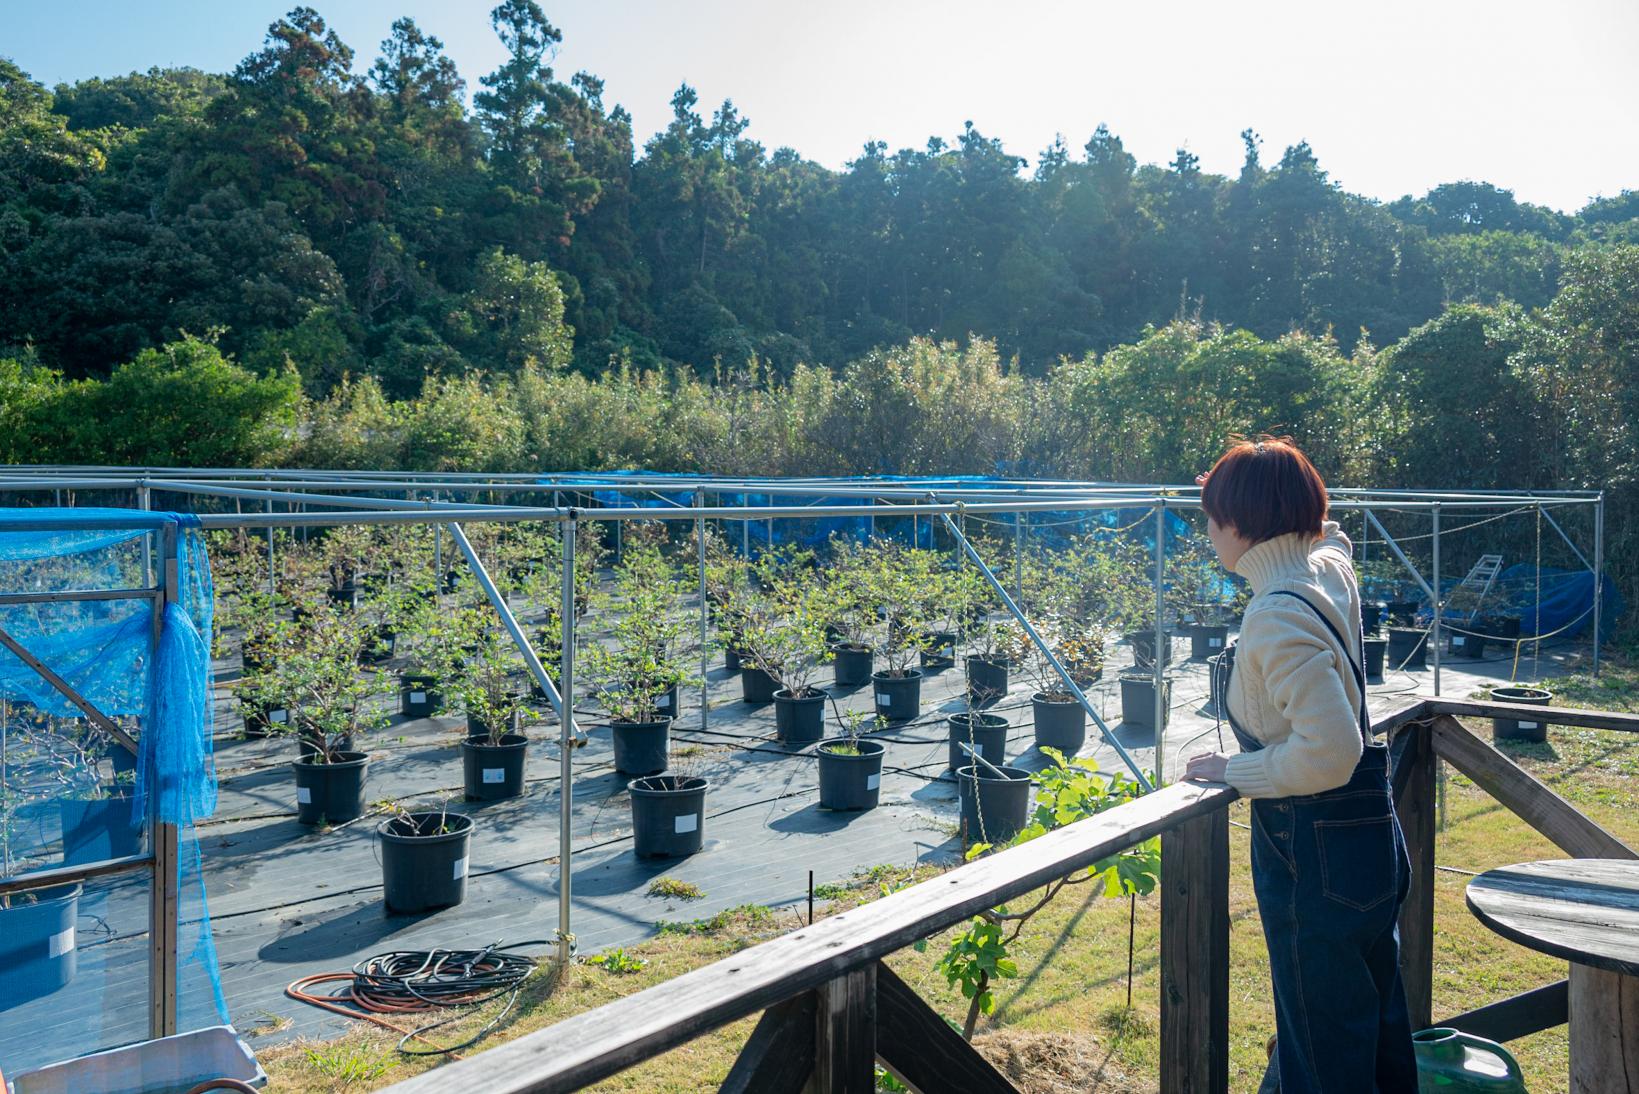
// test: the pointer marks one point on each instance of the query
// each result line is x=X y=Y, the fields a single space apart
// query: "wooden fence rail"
x=831 y=1010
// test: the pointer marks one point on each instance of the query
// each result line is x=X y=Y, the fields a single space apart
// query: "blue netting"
x=72 y=794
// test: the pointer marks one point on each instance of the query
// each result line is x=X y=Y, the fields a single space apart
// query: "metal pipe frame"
x=1160 y=649
x=566 y=675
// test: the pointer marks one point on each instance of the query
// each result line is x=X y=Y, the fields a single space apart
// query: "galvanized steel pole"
x=1434 y=629
x=1598 y=573
x=705 y=611
x=1159 y=650
x=566 y=685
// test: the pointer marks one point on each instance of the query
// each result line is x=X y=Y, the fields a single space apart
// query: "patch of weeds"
x=688 y=750
x=886 y=1083
x=674 y=889
x=267 y=1022
x=616 y=960
x=743 y=915
x=345 y=1064
x=1126 y=1022
x=831 y=890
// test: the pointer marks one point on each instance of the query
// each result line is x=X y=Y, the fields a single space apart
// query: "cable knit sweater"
x=1292 y=688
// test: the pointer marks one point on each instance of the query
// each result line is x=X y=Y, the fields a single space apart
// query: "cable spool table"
x=1586 y=911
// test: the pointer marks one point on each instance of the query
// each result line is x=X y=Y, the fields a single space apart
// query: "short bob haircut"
x=1265 y=488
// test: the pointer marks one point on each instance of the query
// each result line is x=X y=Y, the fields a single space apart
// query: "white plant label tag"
x=304 y=796
x=418 y=697
x=62 y=942
x=688 y=822
x=884 y=699
x=664 y=701
x=1527 y=725
x=872 y=782
x=460 y=869
x=495 y=774
x=1214 y=643
x=278 y=716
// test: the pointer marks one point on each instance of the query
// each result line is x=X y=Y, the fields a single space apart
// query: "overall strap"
x=1359 y=672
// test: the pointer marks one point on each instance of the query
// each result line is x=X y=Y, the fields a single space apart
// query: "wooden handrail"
x=598 y=1043
x=822 y=985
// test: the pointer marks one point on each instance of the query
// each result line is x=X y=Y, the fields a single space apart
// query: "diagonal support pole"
x=1052 y=658
x=510 y=622
x=97 y=717
x=1399 y=554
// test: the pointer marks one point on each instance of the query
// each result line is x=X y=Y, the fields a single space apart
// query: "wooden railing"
x=831 y=1009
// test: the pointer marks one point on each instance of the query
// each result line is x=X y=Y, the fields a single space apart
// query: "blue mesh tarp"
x=71 y=794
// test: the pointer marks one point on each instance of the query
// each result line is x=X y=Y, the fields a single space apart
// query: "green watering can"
x=1450 y=1061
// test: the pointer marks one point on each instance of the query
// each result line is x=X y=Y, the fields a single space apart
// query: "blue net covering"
x=80 y=593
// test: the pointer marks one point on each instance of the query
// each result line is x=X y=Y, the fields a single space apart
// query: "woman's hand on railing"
x=1208 y=767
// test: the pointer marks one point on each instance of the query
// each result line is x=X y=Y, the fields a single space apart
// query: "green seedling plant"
x=486 y=680
x=854 y=725
x=781 y=628
x=674 y=889
x=898 y=578
x=1065 y=792
x=617 y=961
x=316 y=679
x=651 y=636
x=1078 y=647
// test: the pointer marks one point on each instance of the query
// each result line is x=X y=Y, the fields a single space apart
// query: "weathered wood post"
x=1195 y=956
x=1414 y=801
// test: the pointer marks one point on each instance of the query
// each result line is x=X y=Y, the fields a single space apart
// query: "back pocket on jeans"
x=1357 y=860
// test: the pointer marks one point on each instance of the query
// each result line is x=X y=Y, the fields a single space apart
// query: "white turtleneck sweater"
x=1292 y=689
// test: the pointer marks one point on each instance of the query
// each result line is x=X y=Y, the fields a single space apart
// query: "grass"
x=673 y=889
x=1064 y=1024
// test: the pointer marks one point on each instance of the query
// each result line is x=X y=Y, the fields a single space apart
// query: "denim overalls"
x=1330 y=872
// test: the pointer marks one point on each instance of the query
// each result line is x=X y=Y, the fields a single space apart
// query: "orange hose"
x=368 y=1007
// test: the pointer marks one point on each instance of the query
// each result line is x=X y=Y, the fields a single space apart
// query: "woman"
x=1329 y=863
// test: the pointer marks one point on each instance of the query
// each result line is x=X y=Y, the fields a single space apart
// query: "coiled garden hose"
x=417 y=981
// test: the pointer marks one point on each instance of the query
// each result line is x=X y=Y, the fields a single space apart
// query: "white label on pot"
x=62 y=942
x=872 y=782
x=277 y=715
x=663 y=701
x=495 y=774
x=688 y=822
x=460 y=869
x=1526 y=725
x=1214 y=643
x=418 y=697
x=884 y=699
x=304 y=796
x=1458 y=640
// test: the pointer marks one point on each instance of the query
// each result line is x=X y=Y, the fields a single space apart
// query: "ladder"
x=1472 y=590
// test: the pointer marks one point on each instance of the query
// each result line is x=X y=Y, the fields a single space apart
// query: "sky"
x=1394 y=96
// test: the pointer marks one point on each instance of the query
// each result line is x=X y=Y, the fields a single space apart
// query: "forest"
x=306 y=262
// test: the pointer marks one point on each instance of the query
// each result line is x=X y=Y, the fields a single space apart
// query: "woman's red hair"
x=1265 y=488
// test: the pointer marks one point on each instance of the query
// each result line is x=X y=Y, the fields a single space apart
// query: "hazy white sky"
x=1395 y=96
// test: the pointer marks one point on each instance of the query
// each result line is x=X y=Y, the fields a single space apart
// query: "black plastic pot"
x=417 y=695
x=1465 y=645
x=852 y=665
x=800 y=719
x=1402 y=613
x=252 y=662
x=345 y=597
x=382 y=647
x=994 y=807
x=987 y=681
x=850 y=782
x=756 y=686
x=1506 y=627
x=452 y=580
x=97 y=829
x=1371 y=616
x=259 y=719
x=985 y=732
x=1514 y=729
x=1207 y=639
x=37 y=951
x=1408 y=648
x=641 y=748
x=493 y=772
x=1059 y=724
x=731 y=659
x=666 y=704
x=1138 y=699
x=1143 y=646
x=1376 y=647
x=668 y=815
x=333 y=792
x=422 y=867
x=898 y=698
x=941 y=651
